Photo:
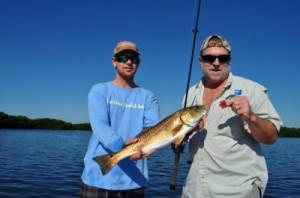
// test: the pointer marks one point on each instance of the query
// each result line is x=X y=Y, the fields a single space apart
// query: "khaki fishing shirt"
x=226 y=159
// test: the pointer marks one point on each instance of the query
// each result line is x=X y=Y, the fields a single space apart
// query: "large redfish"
x=171 y=129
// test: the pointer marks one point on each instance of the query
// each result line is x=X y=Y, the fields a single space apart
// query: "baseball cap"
x=126 y=45
x=215 y=41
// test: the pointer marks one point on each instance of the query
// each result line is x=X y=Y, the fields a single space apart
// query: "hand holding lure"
x=223 y=103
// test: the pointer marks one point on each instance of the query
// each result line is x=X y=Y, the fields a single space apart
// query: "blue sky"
x=53 y=51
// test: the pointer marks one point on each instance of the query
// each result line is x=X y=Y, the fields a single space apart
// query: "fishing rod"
x=180 y=147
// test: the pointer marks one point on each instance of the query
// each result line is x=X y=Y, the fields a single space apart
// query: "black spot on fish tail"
x=106 y=162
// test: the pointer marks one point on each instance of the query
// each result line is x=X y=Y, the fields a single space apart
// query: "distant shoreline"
x=22 y=122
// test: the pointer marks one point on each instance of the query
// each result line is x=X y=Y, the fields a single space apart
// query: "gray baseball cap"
x=215 y=41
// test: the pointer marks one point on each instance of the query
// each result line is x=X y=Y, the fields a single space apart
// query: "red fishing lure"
x=223 y=104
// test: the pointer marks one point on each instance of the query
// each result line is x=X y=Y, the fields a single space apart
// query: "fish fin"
x=177 y=129
x=106 y=162
x=178 y=140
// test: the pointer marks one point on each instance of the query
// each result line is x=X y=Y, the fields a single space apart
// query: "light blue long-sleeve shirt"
x=117 y=114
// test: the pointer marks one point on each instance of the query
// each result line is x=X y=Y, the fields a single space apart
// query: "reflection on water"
x=46 y=163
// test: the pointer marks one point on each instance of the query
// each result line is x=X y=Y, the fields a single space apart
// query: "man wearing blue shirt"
x=118 y=111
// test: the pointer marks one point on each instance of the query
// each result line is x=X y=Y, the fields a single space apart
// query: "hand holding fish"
x=171 y=129
x=197 y=128
x=139 y=154
x=202 y=123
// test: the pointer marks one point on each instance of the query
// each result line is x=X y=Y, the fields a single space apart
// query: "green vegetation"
x=22 y=122
x=289 y=132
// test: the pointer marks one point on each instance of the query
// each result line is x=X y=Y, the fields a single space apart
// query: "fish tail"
x=106 y=162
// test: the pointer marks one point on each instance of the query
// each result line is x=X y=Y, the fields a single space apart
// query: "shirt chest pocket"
x=227 y=124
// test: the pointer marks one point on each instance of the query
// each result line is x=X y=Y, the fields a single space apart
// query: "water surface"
x=48 y=163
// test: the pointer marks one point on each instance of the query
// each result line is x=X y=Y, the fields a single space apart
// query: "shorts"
x=87 y=191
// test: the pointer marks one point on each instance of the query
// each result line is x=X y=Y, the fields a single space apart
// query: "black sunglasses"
x=211 y=58
x=124 y=59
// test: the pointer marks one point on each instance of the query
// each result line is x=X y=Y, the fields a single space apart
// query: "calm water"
x=46 y=163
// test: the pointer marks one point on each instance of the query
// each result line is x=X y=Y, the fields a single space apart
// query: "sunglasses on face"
x=211 y=58
x=124 y=59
